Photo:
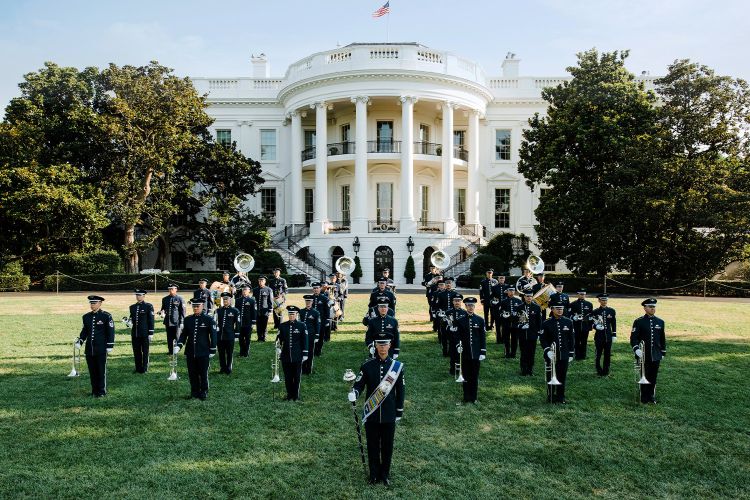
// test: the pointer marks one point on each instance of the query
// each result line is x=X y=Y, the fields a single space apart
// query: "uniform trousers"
x=470 y=368
x=292 y=372
x=652 y=372
x=528 y=351
x=198 y=373
x=262 y=326
x=245 y=333
x=556 y=393
x=97 y=364
x=226 y=355
x=379 y=448
x=171 y=337
x=603 y=350
x=582 y=339
x=140 y=353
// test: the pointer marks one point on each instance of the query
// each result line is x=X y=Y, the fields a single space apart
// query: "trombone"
x=460 y=377
x=76 y=370
x=173 y=363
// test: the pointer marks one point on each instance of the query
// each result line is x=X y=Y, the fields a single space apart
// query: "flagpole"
x=387 y=23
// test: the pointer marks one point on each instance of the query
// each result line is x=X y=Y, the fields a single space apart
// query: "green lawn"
x=146 y=440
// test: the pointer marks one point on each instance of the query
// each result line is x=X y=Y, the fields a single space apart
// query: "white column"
x=472 y=191
x=447 y=177
x=359 y=193
x=296 y=190
x=407 y=164
x=244 y=142
x=320 y=217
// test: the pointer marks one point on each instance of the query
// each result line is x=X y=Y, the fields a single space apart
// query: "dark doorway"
x=426 y=260
x=335 y=254
x=383 y=260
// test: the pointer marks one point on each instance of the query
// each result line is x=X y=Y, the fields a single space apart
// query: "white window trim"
x=494 y=144
x=278 y=147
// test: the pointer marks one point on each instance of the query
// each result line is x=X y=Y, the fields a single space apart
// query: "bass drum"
x=542 y=296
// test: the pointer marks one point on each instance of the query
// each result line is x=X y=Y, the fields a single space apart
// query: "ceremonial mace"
x=350 y=377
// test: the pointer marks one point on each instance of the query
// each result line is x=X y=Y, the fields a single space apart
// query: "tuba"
x=440 y=259
x=535 y=264
x=344 y=265
x=244 y=262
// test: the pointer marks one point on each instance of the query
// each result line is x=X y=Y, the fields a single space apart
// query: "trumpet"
x=275 y=365
x=460 y=377
x=553 y=366
x=76 y=370
x=173 y=363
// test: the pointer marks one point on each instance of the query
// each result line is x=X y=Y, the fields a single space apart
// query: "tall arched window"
x=426 y=259
x=383 y=260
x=335 y=254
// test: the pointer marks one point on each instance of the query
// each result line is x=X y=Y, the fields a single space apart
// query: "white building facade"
x=380 y=147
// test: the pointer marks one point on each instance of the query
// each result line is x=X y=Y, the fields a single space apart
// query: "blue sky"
x=216 y=38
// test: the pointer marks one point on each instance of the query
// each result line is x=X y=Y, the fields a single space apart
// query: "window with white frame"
x=268 y=203
x=268 y=144
x=309 y=206
x=224 y=261
x=224 y=137
x=384 y=202
x=502 y=208
x=424 y=197
x=345 y=213
x=459 y=206
x=458 y=138
x=502 y=144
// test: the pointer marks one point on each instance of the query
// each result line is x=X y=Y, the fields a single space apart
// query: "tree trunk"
x=131 y=258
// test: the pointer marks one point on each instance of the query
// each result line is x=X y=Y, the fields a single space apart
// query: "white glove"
x=150 y=338
x=372 y=350
x=460 y=349
x=398 y=419
x=109 y=349
x=482 y=357
x=395 y=356
x=278 y=351
x=182 y=326
x=176 y=350
x=570 y=359
x=614 y=337
x=304 y=358
x=212 y=355
x=453 y=328
x=352 y=396
x=77 y=345
x=549 y=355
x=638 y=353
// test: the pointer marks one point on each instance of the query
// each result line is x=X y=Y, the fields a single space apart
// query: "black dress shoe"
x=386 y=482
x=372 y=480
x=203 y=396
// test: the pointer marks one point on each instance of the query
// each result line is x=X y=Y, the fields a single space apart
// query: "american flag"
x=385 y=9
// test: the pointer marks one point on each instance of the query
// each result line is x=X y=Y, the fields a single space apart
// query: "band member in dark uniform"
x=174 y=310
x=650 y=330
x=204 y=294
x=529 y=326
x=199 y=338
x=537 y=287
x=509 y=319
x=444 y=303
x=560 y=296
x=292 y=342
x=580 y=313
x=142 y=330
x=497 y=295
x=98 y=335
x=264 y=302
x=278 y=285
x=245 y=304
x=343 y=292
x=485 y=293
x=557 y=330
x=472 y=348
x=383 y=380
x=322 y=304
x=434 y=307
x=451 y=329
x=227 y=323
x=605 y=333
x=430 y=281
x=382 y=325
x=311 y=318
x=381 y=291
x=526 y=282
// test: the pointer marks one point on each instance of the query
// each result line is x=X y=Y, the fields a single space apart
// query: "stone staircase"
x=288 y=242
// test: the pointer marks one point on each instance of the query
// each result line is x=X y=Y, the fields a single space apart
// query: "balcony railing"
x=383 y=146
x=428 y=148
x=383 y=226
x=429 y=226
x=341 y=148
x=339 y=226
x=308 y=153
x=460 y=153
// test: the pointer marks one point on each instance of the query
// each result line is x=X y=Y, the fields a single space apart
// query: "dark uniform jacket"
x=98 y=332
x=559 y=331
x=444 y=300
x=278 y=285
x=427 y=282
x=174 y=310
x=198 y=336
x=565 y=298
x=584 y=308
x=385 y=293
x=311 y=319
x=322 y=304
x=511 y=305
x=293 y=337
x=497 y=292
x=227 y=322
x=263 y=299
x=485 y=288
x=372 y=312
x=525 y=284
x=472 y=336
x=247 y=309
x=204 y=294
x=649 y=329
x=381 y=327
x=534 y=313
x=142 y=316
x=371 y=373
x=609 y=321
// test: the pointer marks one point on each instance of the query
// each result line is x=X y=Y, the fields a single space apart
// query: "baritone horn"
x=244 y=262
x=344 y=265
x=440 y=259
x=535 y=264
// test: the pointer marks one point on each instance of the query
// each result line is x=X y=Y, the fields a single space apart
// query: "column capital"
x=451 y=104
x=319 y=105
x=360 y=98
x=408 y=98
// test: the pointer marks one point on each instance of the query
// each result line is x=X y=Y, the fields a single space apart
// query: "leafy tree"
x=697 y=202
x=503 y=251
x=592 y=151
